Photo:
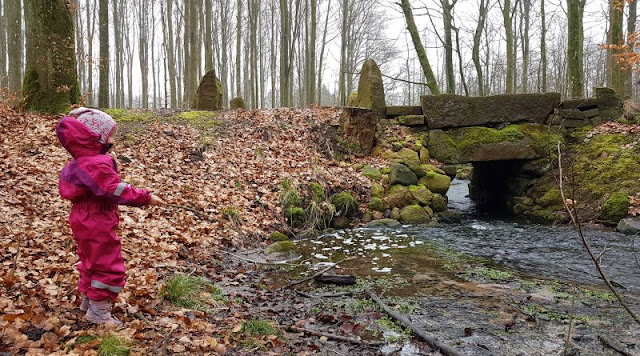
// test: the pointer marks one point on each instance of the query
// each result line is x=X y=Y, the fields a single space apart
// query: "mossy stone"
x=391 y=156
x=357 y=166
x=616 y=207
x=377 y=190
x=423 y=195
x=295 y=213
x=399 y=196
x=377 y=204
x=367 y=217
x=414 y=214
x=449 y=217
x=395 y=214
x=278 y=236
x=319 y=195
x=237 y=103
x=424 y=155
x=551 y=198
x=409 y=155
x=519 y=209
x=401 y=174
x=341 y=222
x=281 y=247
x=383 y=222
x=437 y=183
x=431 y=167
x=439 y=203
x=371 y=172
x=345 y=203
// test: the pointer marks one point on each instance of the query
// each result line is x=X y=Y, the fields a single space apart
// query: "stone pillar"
x=359 y=128
x=370 y=88
x=209 y=94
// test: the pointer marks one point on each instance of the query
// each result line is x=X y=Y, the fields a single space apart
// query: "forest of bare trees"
x=152 y=54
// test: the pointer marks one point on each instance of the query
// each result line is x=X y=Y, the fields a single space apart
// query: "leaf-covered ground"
x=231 y=168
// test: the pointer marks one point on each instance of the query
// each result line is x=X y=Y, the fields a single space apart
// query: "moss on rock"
x=401 y=174
x=399 y=196
x=414 y=214
x=371 y=172
x=437 y=183
x=345 y=203
x=377 y=204
x=616 y=207
x=377 y=190
x=551 y=198
x=439 y=203
x=278 y=236
x=423 y=195
x=319 y=195
x=281 y=247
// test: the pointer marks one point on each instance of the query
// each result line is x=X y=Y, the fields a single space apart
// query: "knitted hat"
x=98 y=121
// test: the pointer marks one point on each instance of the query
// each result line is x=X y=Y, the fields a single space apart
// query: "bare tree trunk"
x=226 y=40
x=321 y=57
x=447 y=18
x=525 y=45
x=615 y=75
x=631 y=28
x=575 y=48
x=477 y=36
x=238 y=48
x=344 y=38
x=51 y=80
x=103 y=99
x=543 y=46
x=285 y=40
x=13 y=12
x=253 y=13
x=311 y=75
x=460 y=65
x=171 y=62
x=153 y=56
x=273 y=54
x=143 y=51
x=208 y=39
x=417 y=43
x=511 y=61
x=4 y=81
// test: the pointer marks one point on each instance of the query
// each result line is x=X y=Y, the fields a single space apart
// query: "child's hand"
x=155 y=200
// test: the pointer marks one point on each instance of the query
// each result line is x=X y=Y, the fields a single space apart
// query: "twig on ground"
x=258 y=262
x=317 y=274
x=336 y=295
x=334 y=337
x=446 y=350
x=608 y=344
x=162 y=350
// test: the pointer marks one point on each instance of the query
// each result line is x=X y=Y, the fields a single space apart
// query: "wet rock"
x=401 y=174
x=629 y=226
x=451 y=170
x=448 y=217
x=378 y=215
x=383 y=222
x=340 y=222
x=414 y=214
x=439 y=203
x=395 y=214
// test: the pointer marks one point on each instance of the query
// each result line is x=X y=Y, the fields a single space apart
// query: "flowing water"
x=552 y=251
x=485 y=274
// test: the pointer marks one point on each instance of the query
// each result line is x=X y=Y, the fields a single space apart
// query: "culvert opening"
x=494 y=184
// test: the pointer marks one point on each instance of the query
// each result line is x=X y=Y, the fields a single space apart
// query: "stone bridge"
x=507 y=138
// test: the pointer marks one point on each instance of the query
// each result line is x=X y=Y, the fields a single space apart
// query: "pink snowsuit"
x=92 y=183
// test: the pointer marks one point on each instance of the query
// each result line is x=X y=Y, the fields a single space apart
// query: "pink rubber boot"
x=84 y=306
x=99 y=312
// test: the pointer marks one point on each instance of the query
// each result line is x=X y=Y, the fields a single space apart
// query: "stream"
x=486 y=273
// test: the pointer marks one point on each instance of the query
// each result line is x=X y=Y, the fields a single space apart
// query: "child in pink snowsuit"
x=92 y=183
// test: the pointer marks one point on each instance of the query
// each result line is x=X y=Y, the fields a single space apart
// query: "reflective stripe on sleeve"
x=120 y=189
x=100 y=285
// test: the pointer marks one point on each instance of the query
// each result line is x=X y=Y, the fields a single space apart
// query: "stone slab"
x=450 y=111
x=404 y=110
x=411 y=120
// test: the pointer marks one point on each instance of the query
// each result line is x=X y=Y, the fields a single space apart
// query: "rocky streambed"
x=484 y=287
